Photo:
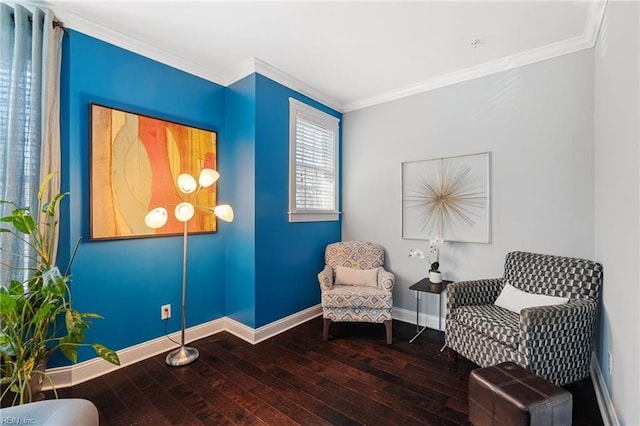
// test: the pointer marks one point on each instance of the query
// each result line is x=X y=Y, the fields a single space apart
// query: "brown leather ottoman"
x=507 y=394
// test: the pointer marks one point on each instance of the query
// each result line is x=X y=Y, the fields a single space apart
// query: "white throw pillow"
x=515 y=300
x=359 y=277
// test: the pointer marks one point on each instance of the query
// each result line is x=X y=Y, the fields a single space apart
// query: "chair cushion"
x=493 y=321
x=356 y=304
x=516 y=300
x=356 y=296
x=357 y=277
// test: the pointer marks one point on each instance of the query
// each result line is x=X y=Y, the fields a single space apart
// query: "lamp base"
x=182 y=356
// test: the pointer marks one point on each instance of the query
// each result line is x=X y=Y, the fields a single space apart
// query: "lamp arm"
x=204 y=208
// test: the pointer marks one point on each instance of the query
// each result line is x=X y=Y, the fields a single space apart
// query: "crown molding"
x=595 y=16
x=226 y=78
x=256 y=65
x=587 y=40
x=503 y=64
x=93 y=29
x=239 y=71
x=286 y=80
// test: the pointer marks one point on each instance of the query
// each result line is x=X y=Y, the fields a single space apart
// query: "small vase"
x=435 y=277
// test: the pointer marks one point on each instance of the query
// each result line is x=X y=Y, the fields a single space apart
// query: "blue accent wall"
x=241 y=250
x=288 y=255
x=127 y=281
x=256 y=270
x=272 y=264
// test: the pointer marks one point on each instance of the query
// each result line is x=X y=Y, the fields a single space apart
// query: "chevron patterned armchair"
x=554 y=342
x=355 y=286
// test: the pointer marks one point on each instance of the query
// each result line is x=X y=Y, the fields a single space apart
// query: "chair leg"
x=388 y=327
x=326 y=322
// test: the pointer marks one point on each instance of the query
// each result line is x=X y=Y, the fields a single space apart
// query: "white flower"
x=417 y=252
x=434 y=246
x=434 y=252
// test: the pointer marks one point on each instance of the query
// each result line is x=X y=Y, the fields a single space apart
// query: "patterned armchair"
x=554 y=342
x=356 y=303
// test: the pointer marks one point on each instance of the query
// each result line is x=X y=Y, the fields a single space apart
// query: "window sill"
x=313 y=217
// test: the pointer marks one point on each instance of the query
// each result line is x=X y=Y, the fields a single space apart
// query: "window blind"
x=315 y=168
x=313 y=164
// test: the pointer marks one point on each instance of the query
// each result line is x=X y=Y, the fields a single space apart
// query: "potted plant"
x=36 y=316
x=435 y=276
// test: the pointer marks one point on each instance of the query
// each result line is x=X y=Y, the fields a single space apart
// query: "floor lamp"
x=183 y=212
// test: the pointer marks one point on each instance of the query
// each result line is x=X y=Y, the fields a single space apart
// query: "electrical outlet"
x=610 y=362
x=165 y=312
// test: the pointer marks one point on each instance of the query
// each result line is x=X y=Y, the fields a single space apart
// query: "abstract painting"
x=448 y=197
x=135 y=161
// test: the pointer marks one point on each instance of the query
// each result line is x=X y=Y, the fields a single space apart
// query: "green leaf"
x=7 y=346
x=7 y=304
x=16 y=288
x=41 y=314
x=76 y=335
x=72 y=319
x=106 y=353
x=91 y=315
x=69 y=350
x=50 y=208
x=23 y=221
x=54 y=281
x=7 y=219
x=75 y=326
x=45 y=182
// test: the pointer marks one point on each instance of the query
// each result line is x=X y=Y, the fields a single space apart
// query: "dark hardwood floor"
x=295 y=378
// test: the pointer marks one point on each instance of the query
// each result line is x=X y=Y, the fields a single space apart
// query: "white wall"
x=617 y=188
x=537 y=123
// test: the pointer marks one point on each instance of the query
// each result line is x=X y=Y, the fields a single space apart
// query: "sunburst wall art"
x=446 y=196
x=135 y=161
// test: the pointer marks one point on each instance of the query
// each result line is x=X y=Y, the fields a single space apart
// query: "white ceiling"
x=348 y=55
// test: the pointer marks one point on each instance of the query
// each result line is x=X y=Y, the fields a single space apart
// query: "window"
x=313 y=164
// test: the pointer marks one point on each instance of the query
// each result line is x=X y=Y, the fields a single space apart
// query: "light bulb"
x=187 y=183
x=224 y=212
x=156 y=218
x=184 y=211
x=208 y=177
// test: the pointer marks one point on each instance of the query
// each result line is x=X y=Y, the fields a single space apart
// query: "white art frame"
x=447 y=196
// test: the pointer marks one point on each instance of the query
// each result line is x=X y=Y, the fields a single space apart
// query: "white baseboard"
x=605 y=403
x=259 y=334
x=78 y=373
x=407 y=315
x=286 y=323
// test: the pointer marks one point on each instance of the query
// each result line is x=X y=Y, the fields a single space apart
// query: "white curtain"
x=30 y=53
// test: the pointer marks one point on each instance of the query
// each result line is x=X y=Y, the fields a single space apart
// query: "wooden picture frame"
x=135 y=162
